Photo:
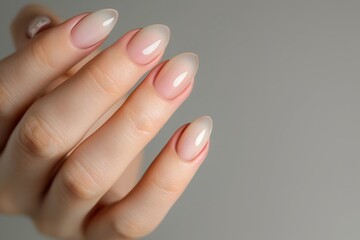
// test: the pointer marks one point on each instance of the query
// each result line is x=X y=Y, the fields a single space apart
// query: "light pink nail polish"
x=176 y=75
x=148 y=43
x=94 y=28
x=38 y=24
x=194 y=138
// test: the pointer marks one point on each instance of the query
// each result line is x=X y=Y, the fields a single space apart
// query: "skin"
x=51 y=165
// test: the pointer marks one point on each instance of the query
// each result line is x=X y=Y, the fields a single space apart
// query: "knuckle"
x=102 y=79
x=42 y=58
x=76 y=190
x=38 y=139
x=165 y=187
x=131 y=227
x=78 y=184
x=141 y=122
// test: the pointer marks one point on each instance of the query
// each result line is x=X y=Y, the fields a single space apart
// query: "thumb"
x=31 y=20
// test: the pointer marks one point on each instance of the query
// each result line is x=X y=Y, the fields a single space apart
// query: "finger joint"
x=78 y=184
x=42 y=58
x=6 y=105
x=141 y=122
x=38 y=139
x=132 y=227
x=103 y=80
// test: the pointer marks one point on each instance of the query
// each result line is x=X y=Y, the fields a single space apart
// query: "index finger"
x=26 y=72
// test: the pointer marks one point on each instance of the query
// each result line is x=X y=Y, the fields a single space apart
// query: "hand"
x=69 y=140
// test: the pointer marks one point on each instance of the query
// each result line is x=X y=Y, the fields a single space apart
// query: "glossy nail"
x=176 y=75
x=148 y=43
x=37 y=24
x=94 y=28
x=194 y=138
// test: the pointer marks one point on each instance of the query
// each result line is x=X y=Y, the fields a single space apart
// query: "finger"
x=125 y=183
x=67 y=75
x=30 y=21
x=129 y=178
x=51 y=53
x=57 y=122
x=99 y=122
x=143 y=209
x=96 y=164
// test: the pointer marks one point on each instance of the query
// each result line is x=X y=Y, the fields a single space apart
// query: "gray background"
x=281 y=79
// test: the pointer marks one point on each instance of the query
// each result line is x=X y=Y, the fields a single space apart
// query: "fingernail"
x=176 y=75
x=94 y=28
x=194 y=138
x=37 y=24
x=148 y=43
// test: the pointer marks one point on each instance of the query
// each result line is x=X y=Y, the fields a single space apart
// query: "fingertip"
x=148 y=43
x=94 y=28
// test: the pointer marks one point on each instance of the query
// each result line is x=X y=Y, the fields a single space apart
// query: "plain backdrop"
x=281 y=79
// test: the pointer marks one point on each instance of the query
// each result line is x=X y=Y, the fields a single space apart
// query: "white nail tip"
x=150 y=49
x=37 y=24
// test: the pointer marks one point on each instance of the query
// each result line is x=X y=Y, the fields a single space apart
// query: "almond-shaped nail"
x=38 y=24
x=176 y=75
x=148 y=43
x=194 y=138
x=94 y=28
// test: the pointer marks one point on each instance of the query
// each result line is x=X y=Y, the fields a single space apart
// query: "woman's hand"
x=68 y=141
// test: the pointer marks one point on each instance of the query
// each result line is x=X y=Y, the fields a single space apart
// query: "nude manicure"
x=148 y=43
x=194 y=138
x=37 y=24
x=176 y=75
x=94 y=28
